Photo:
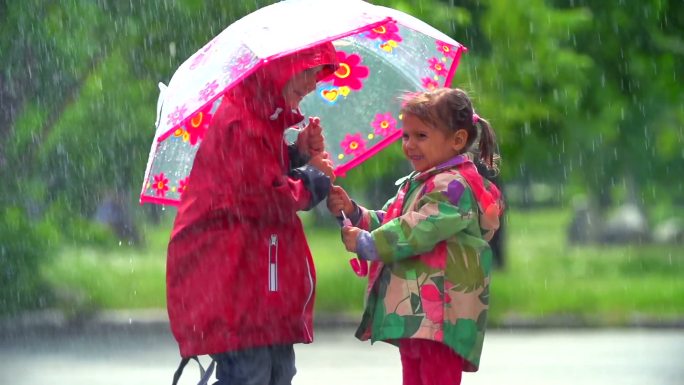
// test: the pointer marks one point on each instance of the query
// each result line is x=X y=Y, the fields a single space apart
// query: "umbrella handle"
x=359 y=266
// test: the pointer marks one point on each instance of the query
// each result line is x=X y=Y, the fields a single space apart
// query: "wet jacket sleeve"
x=315 y=181
x=367 y=219
x=446 y=208
x=297 y=159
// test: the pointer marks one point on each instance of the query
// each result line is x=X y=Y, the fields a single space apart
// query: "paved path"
x=605 y=357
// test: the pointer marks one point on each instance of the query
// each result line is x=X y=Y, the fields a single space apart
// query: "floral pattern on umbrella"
x=160 y=185
x=383 y=54
x=385 y=32
x=348 y=77
x=384 y=124
x=359 y=105
x=353 y=145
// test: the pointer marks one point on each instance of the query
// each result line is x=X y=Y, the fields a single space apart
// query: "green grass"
x=544 y=277
x=611 y=284
x=119 y=277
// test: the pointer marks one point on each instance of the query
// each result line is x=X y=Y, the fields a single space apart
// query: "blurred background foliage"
x=585 y=96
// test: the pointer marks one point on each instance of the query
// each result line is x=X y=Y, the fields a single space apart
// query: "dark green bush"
x=22 y=246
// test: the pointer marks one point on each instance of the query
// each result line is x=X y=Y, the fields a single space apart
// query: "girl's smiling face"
x=426 y=146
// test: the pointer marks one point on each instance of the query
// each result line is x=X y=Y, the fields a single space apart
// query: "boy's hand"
x=310 y=140
x=322 y=162
x=338 y=200
x=349 y=234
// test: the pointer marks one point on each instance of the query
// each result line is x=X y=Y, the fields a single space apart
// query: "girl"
x=428 y=289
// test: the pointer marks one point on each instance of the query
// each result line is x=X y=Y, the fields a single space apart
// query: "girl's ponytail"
x=487 y=142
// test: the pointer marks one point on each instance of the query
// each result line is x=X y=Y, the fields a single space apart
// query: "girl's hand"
x=310 y=140
x=322 y=162
x=349 y=234
x=338 y=200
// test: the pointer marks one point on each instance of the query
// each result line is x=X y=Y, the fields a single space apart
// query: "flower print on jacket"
x=433 y=303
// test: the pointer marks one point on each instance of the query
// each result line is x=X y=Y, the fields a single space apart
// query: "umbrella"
x=383 y=53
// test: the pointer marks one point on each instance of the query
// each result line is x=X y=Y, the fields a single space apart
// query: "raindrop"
x=172 y=49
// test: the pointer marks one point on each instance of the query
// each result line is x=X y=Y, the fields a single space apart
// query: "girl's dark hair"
x=450 y=110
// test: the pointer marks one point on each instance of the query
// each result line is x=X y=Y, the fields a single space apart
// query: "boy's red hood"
x=262 y=91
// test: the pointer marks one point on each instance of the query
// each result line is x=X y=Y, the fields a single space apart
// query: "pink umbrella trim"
x=454 y=64
x=160 y=201
x=358 y=159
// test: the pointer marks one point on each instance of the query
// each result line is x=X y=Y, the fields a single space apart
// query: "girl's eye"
x=404 y=136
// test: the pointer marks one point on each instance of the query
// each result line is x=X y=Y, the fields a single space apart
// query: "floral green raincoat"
x=433 y=281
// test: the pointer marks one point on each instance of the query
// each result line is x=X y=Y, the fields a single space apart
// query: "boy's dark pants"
x=268 y=365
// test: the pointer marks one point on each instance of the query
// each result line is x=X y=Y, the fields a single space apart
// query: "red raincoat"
x=239 y=270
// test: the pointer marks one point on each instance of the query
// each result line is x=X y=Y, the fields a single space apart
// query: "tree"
x=632 y=110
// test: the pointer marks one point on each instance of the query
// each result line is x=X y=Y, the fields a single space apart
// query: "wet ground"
x=606 y=357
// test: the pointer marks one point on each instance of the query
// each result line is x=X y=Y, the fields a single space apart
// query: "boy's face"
x=425 y=146
x=299 y=86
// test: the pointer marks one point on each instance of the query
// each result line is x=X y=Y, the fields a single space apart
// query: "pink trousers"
x=426 y=362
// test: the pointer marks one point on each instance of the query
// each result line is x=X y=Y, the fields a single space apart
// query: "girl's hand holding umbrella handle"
x=359 y=266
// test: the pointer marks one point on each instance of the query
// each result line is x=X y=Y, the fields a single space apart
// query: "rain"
x=102 y=129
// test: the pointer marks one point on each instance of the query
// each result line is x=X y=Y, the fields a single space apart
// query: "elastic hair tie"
x=476 y=118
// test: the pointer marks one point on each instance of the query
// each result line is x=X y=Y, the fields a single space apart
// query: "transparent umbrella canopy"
x=359 y=105
x=383 y=53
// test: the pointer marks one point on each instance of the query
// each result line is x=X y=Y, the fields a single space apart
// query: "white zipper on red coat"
x=273 y=263
x=308 y=299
